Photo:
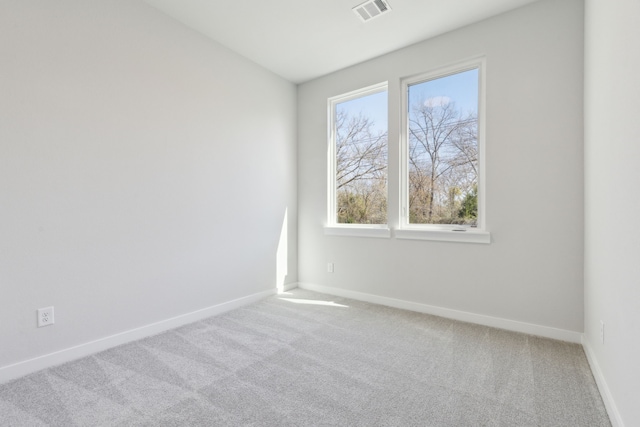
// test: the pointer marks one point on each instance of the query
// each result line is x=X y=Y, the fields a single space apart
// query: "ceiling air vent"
x=371 y=9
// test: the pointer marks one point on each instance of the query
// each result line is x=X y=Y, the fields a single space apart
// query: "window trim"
x=332 y=227
x=468 y=235
x=358 y=230
x=443 y=232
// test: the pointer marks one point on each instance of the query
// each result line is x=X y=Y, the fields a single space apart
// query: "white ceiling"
x=304 y=39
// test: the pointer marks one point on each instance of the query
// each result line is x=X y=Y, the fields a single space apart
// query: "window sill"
x=467 y=236
x=358 y=231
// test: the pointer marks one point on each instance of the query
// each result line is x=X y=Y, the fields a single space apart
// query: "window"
x=358 y=159
x=442 y=154
x=441 y=162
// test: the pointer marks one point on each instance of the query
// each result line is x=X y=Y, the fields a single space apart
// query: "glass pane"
x=443 y=150
x=361 y=160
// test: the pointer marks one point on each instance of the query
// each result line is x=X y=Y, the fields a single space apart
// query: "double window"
x=441 y=170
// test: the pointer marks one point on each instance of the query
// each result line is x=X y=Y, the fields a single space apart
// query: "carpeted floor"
x=307 y=359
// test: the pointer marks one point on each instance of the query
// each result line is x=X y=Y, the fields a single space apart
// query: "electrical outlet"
x=45 y=317
x=602 y=332
x=330 y=267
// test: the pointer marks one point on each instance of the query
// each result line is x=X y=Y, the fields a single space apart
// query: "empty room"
x=337 y=213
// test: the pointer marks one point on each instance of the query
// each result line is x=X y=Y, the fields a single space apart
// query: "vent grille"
x=371 y=9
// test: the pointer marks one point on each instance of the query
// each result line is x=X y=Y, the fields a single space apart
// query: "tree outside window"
x=442 y=150
x=360 y=147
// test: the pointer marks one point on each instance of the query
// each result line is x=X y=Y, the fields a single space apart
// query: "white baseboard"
x=496 y=322
x=607 y=398
x=17 y=370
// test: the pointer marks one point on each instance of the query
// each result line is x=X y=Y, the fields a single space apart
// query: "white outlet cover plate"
x=45 y=316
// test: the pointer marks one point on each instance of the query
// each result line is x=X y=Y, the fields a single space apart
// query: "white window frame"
x=443 y=232
x=332 y=227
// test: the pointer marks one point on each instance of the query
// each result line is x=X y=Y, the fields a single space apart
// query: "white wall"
x=612 y=204
x=145 y=172
x=533 y=269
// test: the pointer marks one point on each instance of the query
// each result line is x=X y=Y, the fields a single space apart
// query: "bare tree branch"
x=361 y=165
x=443 y=159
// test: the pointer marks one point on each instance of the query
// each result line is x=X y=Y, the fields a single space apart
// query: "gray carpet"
x=307 y=359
